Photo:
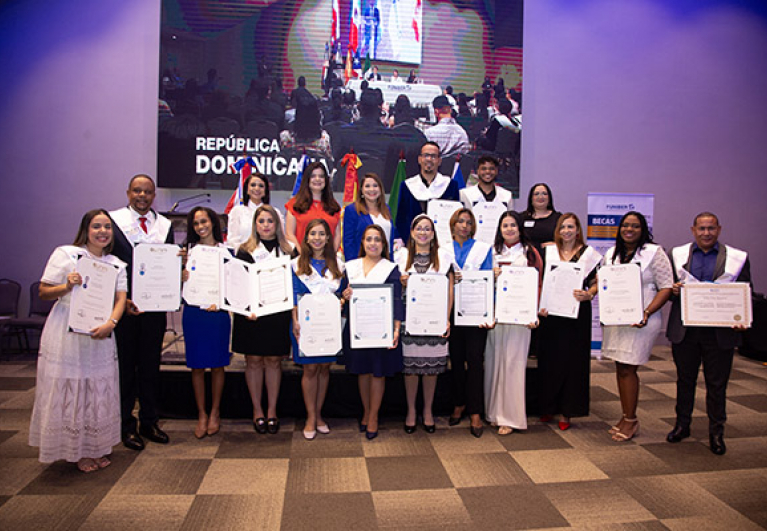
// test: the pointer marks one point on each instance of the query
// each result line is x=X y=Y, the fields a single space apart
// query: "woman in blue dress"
x=369 y=208
x=373 y=365
x=206 y=330
x=317 y=270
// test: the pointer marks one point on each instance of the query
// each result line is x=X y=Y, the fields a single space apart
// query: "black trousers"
x=467 y=367
x=139 y=345
x=700 y=346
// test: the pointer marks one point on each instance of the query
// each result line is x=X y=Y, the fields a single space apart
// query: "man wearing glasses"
x=416 y=192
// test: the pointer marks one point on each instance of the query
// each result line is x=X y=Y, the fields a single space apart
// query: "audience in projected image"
x=307 y=131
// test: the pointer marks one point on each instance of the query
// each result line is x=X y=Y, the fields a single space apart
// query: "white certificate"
x=487 y=216
x=427 y=301
x=440 y=212
x=517 y=295
x=620 y=294
x=203 y=287
x=319 y=317
x=371 y=316
x=474 y=298
x=707 y=304
x=156 y=277
x=93 y=300
x=236 y=289
x=272 y=286
x=559 y=281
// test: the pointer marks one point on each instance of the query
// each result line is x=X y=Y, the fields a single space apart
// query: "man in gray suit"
x=705 y=260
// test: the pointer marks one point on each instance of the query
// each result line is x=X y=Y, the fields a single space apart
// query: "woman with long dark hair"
x=206 y=330
x=630 y=345
x=540 y=217
x=317 y=270
x=76 y=415
x=255 y=193
x=314 y=200
x=507 y=344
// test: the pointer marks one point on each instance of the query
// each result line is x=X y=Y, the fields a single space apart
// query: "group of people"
x=88 y=385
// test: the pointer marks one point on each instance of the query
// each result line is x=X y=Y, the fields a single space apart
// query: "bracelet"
x=114 y=321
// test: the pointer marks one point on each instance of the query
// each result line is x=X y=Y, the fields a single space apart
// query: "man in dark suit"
x=139 y=335
x=705 y=260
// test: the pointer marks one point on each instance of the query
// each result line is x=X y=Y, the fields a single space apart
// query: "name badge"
x=530 y=223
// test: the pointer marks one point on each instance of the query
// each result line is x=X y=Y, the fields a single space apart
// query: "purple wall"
x=636 y=98
x=642 y=97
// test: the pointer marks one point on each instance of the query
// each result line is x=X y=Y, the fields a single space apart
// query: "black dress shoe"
x=454 y=421
x=273 y=426
x=132 y=441
x=716 y=443
x=430 y=428
x=678 y=434
x=476 y=431
x=154 y=434
x=260 y=425
x=408 y=429
x=370 y=435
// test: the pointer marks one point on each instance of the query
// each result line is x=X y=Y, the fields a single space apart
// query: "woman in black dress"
x=540 y=218
x=564 y=355
x=264 y=340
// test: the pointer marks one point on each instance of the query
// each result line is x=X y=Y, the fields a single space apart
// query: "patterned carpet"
x=540 y=478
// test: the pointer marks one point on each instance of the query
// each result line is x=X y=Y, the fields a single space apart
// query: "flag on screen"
x=244 y=167
x=458 y=174
x=399 y=178
x=301 y=167
x=417 y=20
x=352 y=163
x=354 y=26
x=348 y=72
x=335 y=30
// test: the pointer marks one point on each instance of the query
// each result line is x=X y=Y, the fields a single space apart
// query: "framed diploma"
x=272 y=286
x=93 y=300
x=707 y=304
x=620 y=294
x=559 y=281
x=203 y=288
x=235 y=285
x=427 y=302
x=440 y=211
x=319 y=316
x=516 y=300
x=473 y=304
x=156 y=277
x=487 y=216
x=371 y=316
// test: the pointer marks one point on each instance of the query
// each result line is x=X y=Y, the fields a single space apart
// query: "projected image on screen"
x=275 y=81
x=390 y=30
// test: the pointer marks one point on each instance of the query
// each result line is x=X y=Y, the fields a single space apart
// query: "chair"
x=9 y=306
x=35 y=320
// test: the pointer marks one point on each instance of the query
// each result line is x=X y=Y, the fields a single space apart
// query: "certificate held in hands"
x=203 y=286
x=559 y=282
x=371 y=316
x=620 y=294
x=517 y=295
x=707 y=304
x=319 y=317
x=156 y=277
x=427 y=300
x=474 y=299
x=93 y=300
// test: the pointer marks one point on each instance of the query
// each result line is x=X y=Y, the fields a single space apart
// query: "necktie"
x=142 y=221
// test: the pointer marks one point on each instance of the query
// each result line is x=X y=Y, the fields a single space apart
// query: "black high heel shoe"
x=409 y=429
x=429 y=428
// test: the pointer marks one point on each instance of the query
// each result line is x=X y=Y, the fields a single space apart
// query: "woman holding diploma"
x=424 y=356
x=240 y=227
x=564 y=358
x=369 y=208
x=507 y=344
x=76 y=415
x=314 y=200
x=373 y=365
x=264 y=340
x=316 y=270
x=630 y=346
x=467 y=343
x=206 y=330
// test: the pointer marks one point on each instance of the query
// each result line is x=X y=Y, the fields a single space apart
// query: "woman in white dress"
x=240 y=225
x=76 y=415
x=507 y=344
x=630 y=345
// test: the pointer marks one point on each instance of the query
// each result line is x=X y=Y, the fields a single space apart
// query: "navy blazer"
x=354 y=226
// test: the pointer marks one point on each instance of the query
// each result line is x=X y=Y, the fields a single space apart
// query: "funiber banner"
x=604 y=214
